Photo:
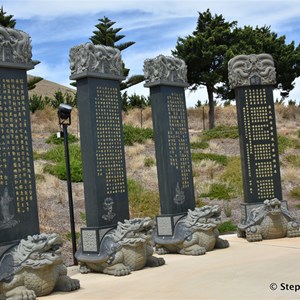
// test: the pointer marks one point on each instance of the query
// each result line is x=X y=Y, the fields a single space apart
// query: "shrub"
x=39 y=177
x=136 y=135
x=221 y=159
x=293 y=159
x=218 y=190
x=295 y=192
x=58 y=169
x=232 y=175
x=227 y=227
x=36 y=103
x=53 y=139
x=83 y=217
x=199 y=145
x=149 y=162
x=220 y=132
x=284 y=143
x=142 y=202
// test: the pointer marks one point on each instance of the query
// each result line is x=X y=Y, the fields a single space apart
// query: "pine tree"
x=108 y=36
x=6 y=21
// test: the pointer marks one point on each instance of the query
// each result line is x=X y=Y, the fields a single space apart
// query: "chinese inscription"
x=258 y=128
x=178 y=137
x=109 y=155
x=15 y=163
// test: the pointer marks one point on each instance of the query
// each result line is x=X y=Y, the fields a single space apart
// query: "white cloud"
x=59 y=73
x=57 y=25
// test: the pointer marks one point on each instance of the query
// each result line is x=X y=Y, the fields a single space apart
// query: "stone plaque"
x=101 y=133
x=18 y=205
x=171 y=135
x=252 y=78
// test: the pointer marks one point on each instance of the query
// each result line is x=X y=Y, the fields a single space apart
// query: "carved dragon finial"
x=165 y=68
x=95 y=58
x=253 y=69
x=15 y=46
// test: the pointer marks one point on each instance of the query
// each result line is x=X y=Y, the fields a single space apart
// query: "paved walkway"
x=243 y=271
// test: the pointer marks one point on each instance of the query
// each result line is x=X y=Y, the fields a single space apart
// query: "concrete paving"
x=243 y=271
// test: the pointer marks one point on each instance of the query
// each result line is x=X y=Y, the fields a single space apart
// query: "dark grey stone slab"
x=253 y=77
x=172 y=148
x=102 y=144
x=18 y=204
x=258 y=143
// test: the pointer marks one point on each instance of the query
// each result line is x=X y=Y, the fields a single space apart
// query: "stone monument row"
x=264 y=213
x=30 y=263
x=98 y=71
x=179 y=220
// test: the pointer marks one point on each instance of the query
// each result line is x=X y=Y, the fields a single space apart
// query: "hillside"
x=48 y=88
x=215 y=158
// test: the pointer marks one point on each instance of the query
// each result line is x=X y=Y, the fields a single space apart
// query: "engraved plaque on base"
x=165 y=224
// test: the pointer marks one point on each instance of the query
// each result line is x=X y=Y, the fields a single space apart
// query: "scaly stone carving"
x=165 y=68
x=15 y=46
x=269 y=221
x=34 y=268
x=95 y=58
x=246 y=70
x=124 y=249
x=194 y=234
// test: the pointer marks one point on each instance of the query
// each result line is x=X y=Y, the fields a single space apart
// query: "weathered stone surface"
x=95 y=58
x=269 y=220
x=253 y=69
x=15 y=48
x=165 y=68
x=122 y=250
x=193 y=234
x=34 y=268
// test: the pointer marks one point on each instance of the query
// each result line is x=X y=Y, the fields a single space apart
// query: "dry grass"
x=52 y=193
x=138 y=117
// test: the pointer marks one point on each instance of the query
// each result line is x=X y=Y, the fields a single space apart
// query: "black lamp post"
x=64 y=120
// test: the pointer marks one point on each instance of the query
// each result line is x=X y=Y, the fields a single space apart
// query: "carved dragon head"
x=40 y=250
x=273 y=206
x=204 y=218
x=134 y=231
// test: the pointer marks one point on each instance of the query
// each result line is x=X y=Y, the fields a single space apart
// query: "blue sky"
x=57 y=25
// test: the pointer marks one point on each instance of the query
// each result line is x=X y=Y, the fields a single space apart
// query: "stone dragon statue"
x=122 y=250
x=194 y=234
x=269 y=221
x=34 y=268
x=95 y=58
